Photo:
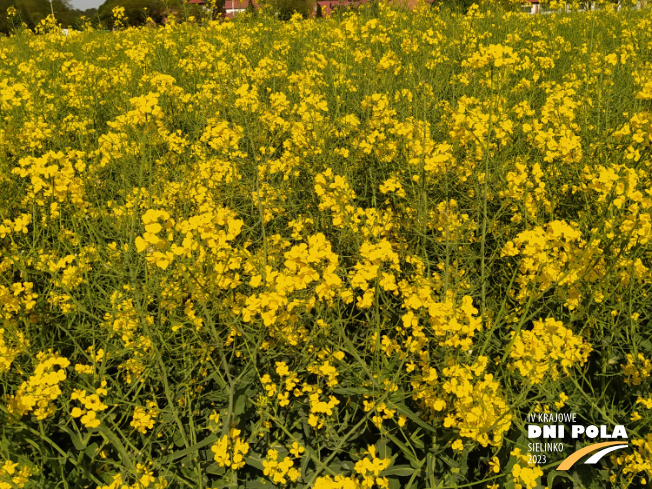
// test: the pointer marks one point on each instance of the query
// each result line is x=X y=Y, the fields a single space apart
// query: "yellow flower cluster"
x=336 y=195
x=637 y=369
x=369 y=269
x=11 y=345
x=12 y=95
x=318 y=406
x=279 y=472
x=555 y=133
x=480 y=411
x=145 y=111
x=123 y=321
x=14 y=475
x=230 y=450
x=636 y=465
x=119 y=17
x=96 y=357
x=92 y=404
x=144 y=479
x=144 y=418
x=370 y=468
x=151 y=242
x=38 y=393
x=337 y=482
x=17 y=298
x=524 y=475
x=545 y=350
x=55 y=179
x=526 y=188
x=408 y=228
x=495 y=55
x=553 y=257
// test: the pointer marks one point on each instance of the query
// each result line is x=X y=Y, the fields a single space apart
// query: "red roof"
x=198 y=2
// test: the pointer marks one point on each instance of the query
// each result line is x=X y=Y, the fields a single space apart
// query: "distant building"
x=535 y=6
x=234 y=7
x=204 y=4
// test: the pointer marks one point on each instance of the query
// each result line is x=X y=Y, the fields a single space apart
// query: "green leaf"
x=178 y=439
x=399 y=470
x=255 y=460
x=384 y=451
x=239 y=402
x=186 y=451
x=79 y=444
x=304 y=464
x=407 y=453
x=167 y=416
x=553 y=474
x=351 y=391
x=259 y=485
x=416 y=440
x=92 y=450
x=112 y=438
x=394 y=484
x=589 y=476
x=215 y=469
x=405 y=411
x=218 y=379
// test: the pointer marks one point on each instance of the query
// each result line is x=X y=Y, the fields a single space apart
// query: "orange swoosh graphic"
x=574 y=457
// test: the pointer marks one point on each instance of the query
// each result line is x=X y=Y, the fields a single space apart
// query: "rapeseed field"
x=364 y=251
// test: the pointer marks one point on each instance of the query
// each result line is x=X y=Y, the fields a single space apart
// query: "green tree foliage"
x=33 y=11
x=284 y=9
x=137 y=11
x=459 y=6
x=370 y=7
x=462 y=6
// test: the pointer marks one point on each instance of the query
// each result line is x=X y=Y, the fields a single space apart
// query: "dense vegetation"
x=351 y=252
x=32 y=12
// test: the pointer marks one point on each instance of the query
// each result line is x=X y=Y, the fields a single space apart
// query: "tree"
x=458 y=6
x=33 y=11
x=64 y=12
x=135 y=10
x=462 y=6
x=284 y=9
